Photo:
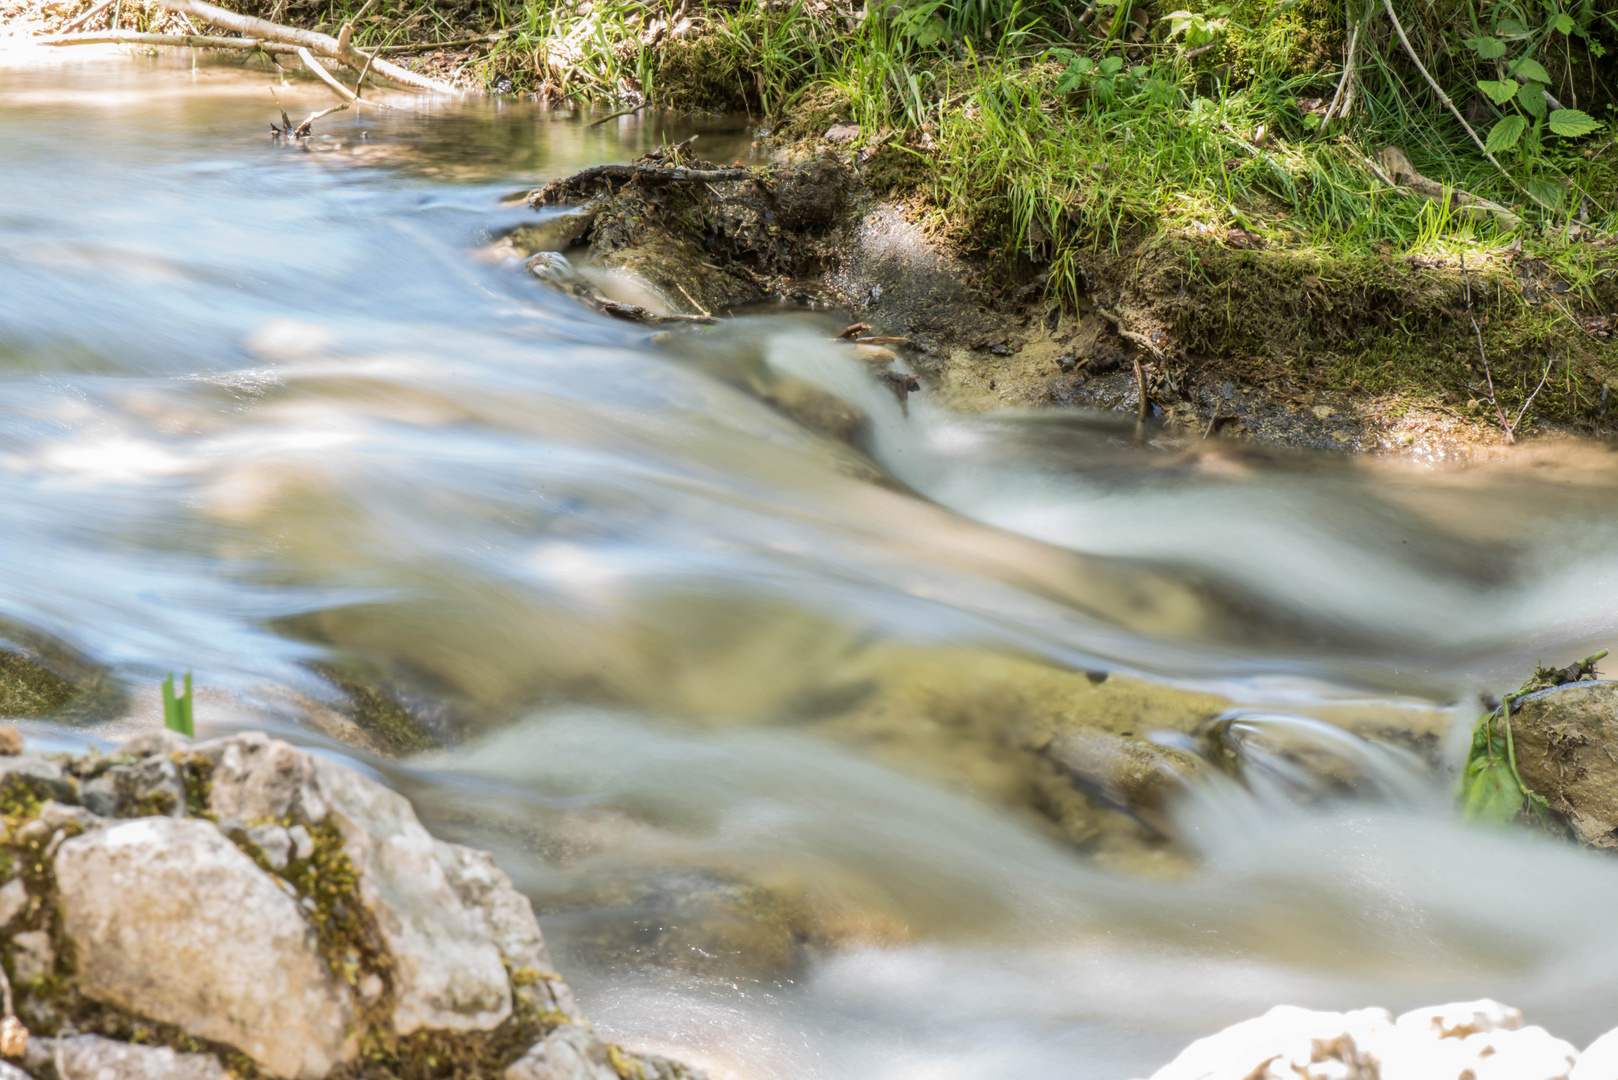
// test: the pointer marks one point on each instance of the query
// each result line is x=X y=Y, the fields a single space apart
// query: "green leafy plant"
x=1198 y=29
x=1522 y=85
x=177 y=710
x=1492 y=790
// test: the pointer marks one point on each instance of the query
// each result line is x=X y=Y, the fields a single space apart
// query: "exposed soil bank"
x=1358 y=352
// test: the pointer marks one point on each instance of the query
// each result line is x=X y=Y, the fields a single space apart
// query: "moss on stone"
x=29 y=688
x=378 y=711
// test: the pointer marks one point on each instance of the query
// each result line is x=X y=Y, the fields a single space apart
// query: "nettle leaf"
x=1504 y=135
x=1502 y=91
x=1511 y=28
x=1548 y=193
x=1529 y=68
x=1531 y=97
x=1571 y=123
x=1487 y=48
x=1564 y=24
x=1112 y=65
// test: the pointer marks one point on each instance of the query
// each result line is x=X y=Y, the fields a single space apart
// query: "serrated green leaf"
x=1112 y=65
x=1502 y=91
x=1571 y=123
x=1511 y=28
x=1531 y=96
x=1529 y=68
x=1487 y=48
x=1564 y=24
x=1504 y=135
x=1548 y=193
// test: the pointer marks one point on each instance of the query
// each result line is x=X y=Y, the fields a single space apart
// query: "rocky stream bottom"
x=239 y=907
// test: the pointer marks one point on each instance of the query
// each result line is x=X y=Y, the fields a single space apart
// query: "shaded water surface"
x=267 y=407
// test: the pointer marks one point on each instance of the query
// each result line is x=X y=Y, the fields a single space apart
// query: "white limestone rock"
x=13 y=898
x=570 y=1052
x=171 y=920
x=484 y=887
x=1476 y=1040
x=450 y=939
x=257 y=778
x=1599 y=1060
x=90 y=1057
x=449 y=973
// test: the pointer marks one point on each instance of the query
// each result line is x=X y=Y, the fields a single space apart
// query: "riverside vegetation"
x=1380 y=207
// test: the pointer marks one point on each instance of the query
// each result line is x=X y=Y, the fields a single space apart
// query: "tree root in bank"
x=338 y=48
x=1402 y=176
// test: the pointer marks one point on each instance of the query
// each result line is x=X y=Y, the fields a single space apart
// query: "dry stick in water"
x=321 y=44
x=318 y=69
x=616 y=115
x=196 y=41
x=1487 y=374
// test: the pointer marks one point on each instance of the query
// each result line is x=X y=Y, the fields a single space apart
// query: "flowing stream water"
x=266 y=406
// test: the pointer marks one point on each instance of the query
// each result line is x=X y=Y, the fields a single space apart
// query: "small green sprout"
x=177 y=712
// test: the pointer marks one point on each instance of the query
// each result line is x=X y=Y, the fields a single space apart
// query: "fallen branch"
x=194 y=41
x=320 y=44
x=318 y=69
x=852 y=331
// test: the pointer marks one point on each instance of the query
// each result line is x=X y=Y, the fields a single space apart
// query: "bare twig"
x=1140 y=385
x=1518 y=419
x=616 y=115
x=1346 y=83
x=303 y=130
x=635 y=313
x=700 y=309
x=117 y=10
x=320 y=44
x=88 y=15
x=854 y=330
x=1487 y=374
x=1432 y=82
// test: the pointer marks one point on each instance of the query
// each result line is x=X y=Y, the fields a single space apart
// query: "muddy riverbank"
x=1372 y=353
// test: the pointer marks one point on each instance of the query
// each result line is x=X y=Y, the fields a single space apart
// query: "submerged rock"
x=1475 y=1040
x=307 y=916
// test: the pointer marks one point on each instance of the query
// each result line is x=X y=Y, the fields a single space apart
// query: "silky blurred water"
x=267 y=405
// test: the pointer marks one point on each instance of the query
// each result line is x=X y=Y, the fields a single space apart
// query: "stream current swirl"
x=266 y=407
